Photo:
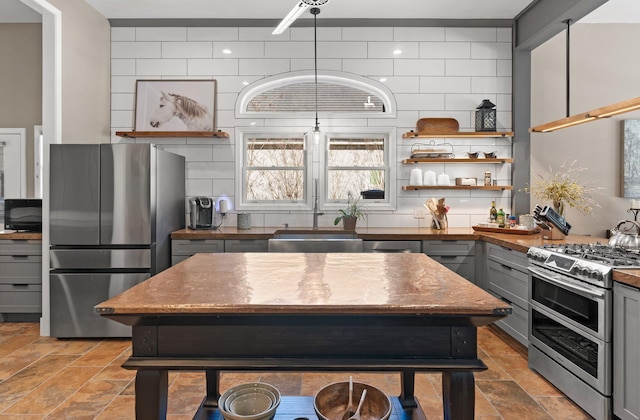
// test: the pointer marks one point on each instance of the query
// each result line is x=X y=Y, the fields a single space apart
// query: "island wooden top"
x=299 y=283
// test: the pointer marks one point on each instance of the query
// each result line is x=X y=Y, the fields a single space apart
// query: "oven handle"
x=555 y=279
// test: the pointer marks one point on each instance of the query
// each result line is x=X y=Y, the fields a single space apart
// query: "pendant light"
x=316 y=134
x=603 y=112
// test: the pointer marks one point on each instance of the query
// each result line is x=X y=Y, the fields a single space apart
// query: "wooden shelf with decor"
x=457 y=187
x=460 y=134
x=142 y=134
x=456 y=160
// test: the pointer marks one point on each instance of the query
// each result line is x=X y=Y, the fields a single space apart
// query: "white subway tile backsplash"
x=420 y=101
x=264 y=66
x=471 y=34
x=379 y=67
x=123 y=67
x=187 y=50
x=491 y=50
x=123 y=34
x=367 y=34
x=471 y=68
x=442 y=72
x=238 y=49
x=491 y=85
x=445 y=84
x=136 y=50
x=287 y=50
x=418 y=34
x=212 y=67
x=161 y=34
x=342 y=49
x=397 y=50
x=212 y=34
x=323 y=64
x=460 y=50
x=419 y=67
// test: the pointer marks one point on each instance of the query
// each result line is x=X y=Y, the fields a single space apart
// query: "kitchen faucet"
x=316 y=213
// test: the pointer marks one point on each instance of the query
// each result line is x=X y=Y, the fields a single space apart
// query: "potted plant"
x=349 y=216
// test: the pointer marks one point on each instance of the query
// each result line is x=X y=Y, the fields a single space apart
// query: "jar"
x=512 y=221
x=487 y=178
x=244 y=221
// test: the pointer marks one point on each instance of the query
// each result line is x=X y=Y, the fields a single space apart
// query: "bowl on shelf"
x=330 y=403
x=489 y=155
x=249 y=401
x=473 y=155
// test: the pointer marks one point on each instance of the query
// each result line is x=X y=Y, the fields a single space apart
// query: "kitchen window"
x=277 y=168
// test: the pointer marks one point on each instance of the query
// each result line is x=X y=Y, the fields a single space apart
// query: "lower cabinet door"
x=73 y=296
x=463 y=265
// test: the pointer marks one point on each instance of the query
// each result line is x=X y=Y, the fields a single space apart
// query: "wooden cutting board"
x=437 y=125
x=507 y=230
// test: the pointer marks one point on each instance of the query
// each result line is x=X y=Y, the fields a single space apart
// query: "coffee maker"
x=203 y=210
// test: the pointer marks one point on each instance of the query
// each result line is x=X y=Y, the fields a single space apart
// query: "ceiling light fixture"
x=297 y=10
x=584 y=117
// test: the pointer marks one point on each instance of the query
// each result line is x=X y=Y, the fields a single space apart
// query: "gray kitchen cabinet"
x=246 y=245
x=20 y=278
x=391 y=246
x=626 y=363
x=506 y=277
x=181 y=249
x=458 y=256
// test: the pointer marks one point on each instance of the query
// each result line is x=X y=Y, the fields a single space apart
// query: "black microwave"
x=23 y=214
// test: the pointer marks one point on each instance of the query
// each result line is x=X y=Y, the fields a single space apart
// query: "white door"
x=13 y=163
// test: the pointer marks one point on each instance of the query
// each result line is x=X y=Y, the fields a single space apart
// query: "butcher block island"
x=305 y=312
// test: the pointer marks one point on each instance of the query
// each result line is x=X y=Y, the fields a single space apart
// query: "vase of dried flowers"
x=564 y=187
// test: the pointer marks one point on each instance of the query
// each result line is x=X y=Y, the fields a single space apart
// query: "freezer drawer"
x=73 y=297
x=73 y=259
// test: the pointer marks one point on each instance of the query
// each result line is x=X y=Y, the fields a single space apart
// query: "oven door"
x=582 y=306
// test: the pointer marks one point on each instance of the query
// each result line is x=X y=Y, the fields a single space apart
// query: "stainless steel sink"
x=314 y=241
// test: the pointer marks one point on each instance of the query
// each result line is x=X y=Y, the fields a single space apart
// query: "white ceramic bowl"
x=250 y=401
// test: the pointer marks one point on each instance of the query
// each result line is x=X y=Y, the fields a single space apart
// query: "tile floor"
x=47 y=378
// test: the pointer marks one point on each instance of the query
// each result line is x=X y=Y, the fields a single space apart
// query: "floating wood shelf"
x=459 y=134
x=134 y=134
x=456 y=187
x=461 y=160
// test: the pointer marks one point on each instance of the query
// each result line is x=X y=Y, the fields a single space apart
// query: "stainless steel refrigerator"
x=112 y=210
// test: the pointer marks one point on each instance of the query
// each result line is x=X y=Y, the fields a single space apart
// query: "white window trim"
x=240 y=133
x=326 y=76
x=390 y=160
x=315 y=164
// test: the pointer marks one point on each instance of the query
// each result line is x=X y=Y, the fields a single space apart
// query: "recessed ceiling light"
x=253 y=123
x=245 y=83
x=226 y=51
x=383 y=79
x=397 y=51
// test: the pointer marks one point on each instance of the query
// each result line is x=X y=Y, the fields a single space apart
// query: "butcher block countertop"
x=306 y=283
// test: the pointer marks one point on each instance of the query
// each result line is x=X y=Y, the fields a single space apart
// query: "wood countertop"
x=313 y=284
x=13 y=234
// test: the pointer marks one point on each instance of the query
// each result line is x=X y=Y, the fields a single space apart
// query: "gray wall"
x=21 y=82
x=604 y=70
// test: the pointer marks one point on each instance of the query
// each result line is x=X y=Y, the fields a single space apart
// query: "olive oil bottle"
x=500 y=218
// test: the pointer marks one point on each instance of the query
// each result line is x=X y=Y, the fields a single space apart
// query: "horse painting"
x=195 y=116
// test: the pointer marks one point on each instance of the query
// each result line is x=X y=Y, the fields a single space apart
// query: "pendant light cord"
x=315 y=11
x=568 y=22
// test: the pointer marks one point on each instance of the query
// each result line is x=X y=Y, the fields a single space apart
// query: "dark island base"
x=302 y=408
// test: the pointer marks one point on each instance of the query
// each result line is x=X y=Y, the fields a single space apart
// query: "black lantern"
x=486 y=116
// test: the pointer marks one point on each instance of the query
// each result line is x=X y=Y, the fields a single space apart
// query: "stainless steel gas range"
x=570 y=319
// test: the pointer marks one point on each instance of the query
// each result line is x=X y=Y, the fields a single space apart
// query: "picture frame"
x=175 y=105
x=631 y=156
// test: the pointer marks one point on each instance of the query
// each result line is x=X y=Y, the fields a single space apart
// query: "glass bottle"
x=500 y=218
x=493 y=213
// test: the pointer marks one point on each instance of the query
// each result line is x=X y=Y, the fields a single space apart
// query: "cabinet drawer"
x=508 y=283
x=464 y=266
x=25 y=269
x=246 y=245
x=448 y=247
x=516 y=324
x=25 y=298
x=391 y=246
x=194 y=246
x=502 y=255
x=20 y=247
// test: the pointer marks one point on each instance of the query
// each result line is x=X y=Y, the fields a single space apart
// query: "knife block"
x=552 y=234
